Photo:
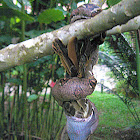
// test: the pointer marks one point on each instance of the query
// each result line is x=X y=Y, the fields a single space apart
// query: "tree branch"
x=35 y=48
x=131 y=25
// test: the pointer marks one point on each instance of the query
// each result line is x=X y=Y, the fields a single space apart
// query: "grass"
x=114 y=117
x=113 y=113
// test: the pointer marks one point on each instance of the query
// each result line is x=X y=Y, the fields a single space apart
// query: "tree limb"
x=35 y=48
x=131 y=25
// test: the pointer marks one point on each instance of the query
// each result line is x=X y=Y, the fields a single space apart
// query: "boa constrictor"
x=78 y=58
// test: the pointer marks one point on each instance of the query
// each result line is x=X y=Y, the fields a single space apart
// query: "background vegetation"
x=27 y=111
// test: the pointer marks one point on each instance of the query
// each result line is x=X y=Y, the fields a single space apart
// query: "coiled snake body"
x=78 y=58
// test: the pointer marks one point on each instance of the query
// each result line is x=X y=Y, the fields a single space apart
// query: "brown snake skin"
x=71 y=92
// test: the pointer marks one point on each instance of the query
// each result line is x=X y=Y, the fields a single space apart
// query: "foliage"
x=112 y=2
x=50 y=15
x=33 y=116
x=40 y=108
x=37 y=116
x=44 y=17
x=13 y=13
x=111 y=108
x=114 y=115
x=32 y=97
x=122 y=63
x=122 y=86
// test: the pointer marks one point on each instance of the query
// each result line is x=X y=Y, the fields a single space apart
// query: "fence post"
x=102 y=85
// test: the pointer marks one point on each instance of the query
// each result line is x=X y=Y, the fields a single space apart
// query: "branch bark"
x=131 y=25
x=35 y=48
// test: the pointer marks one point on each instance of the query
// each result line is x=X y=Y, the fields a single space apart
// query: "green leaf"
x=32 y=97
x=19 y=68
x=14 y=72
x=112 y=2
x=60 y=72
x=48 y=57
x=15 y=81
x=5 y=38
x=11 y=5
x=7 y=12
x=50 y=15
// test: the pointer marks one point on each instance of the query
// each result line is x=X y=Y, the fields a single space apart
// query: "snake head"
x=85 y=11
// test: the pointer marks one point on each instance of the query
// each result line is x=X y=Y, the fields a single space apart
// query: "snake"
x=78 y=58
